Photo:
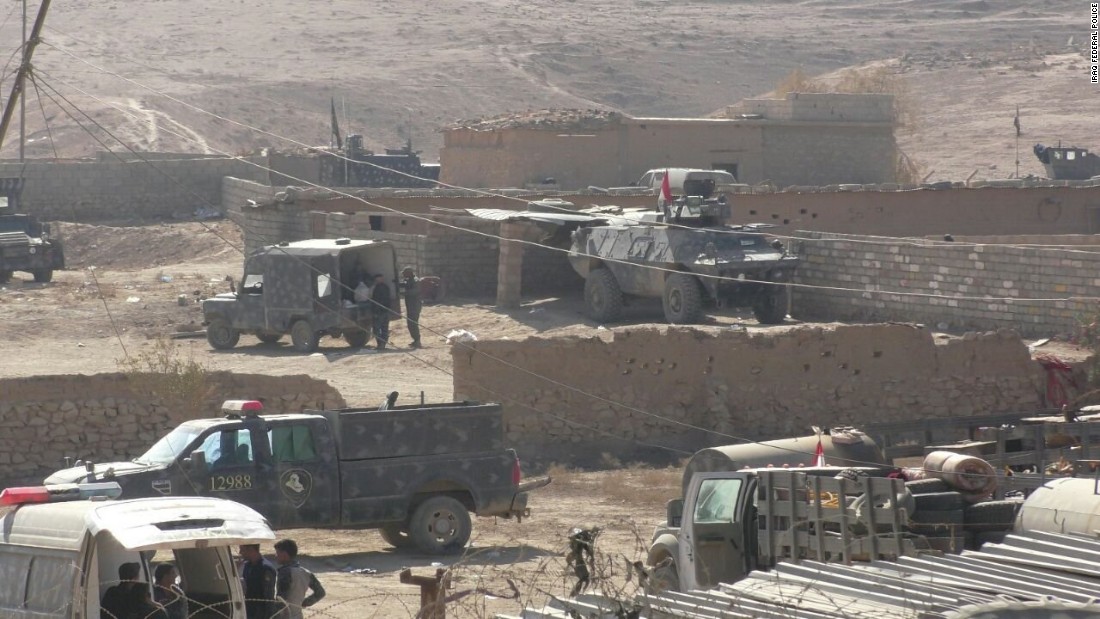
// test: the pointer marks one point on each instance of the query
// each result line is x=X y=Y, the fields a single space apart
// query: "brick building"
x=803 y=139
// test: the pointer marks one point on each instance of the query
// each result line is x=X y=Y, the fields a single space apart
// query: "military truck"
x=731 y=520
x=26 y=244
x=304 y=289
x=698 y=262
x=415 y=472
x=61 y=547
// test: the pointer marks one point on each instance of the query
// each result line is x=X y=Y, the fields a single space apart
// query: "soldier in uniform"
x=410 y=284
x=293 y=582
x=380 y=304
x=258 y=577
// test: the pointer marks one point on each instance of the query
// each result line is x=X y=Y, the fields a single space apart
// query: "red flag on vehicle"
x=666 y=189
x=819 y=453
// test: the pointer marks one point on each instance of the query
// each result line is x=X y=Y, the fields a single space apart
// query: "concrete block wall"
x=106 y=418
x=466 y=262
x=125 y=191
x=761 y=385
x=879 y=266
x=236 y=192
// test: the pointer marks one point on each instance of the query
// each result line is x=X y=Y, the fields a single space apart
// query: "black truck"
x=415 y=472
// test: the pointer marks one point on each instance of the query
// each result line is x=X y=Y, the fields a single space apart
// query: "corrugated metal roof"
x=1040 y=568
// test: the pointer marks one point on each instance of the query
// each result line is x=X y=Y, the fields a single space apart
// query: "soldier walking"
x=410 y=284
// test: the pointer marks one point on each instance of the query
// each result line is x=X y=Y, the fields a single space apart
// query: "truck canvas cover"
x=461 y=427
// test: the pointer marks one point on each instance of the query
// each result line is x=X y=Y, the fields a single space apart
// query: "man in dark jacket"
x=258 y=580
x=410 y=284
x=117 y=602
x=380 y=304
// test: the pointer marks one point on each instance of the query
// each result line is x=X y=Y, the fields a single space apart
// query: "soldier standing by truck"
x=294 y=580
x=258 y=579
x=380 y=304
x=410 y=283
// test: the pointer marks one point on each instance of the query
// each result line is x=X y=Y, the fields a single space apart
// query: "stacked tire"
x=951 y=523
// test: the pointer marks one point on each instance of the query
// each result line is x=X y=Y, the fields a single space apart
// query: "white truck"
x=61 y=547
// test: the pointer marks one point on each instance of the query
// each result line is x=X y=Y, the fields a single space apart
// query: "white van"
x=676 y=177
x=58 y=558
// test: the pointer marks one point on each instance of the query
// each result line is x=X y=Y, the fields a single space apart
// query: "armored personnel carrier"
x=25 y=243
x=699 y=263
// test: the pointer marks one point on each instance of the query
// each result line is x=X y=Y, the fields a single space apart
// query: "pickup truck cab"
x=415 y=472
x=61 y=547
x=731 y=523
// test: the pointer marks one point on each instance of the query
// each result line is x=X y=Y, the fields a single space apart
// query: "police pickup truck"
x=415 y=472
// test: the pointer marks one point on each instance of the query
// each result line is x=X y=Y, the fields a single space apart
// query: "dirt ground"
x=122 y=293
x=397 y=70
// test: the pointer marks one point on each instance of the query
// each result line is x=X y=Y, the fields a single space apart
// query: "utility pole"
x=22 y=99
x=21 y=76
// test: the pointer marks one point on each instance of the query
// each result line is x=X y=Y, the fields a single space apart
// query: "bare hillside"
x=396 y=67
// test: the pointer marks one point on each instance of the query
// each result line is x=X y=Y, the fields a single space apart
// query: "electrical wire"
x=497 y=237
x=45 y=119
x=582 y=392
x=514 y=198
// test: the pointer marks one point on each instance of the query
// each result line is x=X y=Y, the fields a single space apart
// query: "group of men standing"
x=377 y=298
x=272 y=592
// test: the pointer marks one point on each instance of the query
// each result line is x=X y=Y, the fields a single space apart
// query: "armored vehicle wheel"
x=664 y=577
x=269 y=338
x=602 y=295
x=770 y=308
x=304 y=336
x=356 y=338
x=683 y=300
x=43 y=276
x=221 y=335
x=396 y=535
x=440 y=525
x=5 y=276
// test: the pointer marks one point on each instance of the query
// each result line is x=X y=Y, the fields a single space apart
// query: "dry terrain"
x=400 y=70
x=122 y=292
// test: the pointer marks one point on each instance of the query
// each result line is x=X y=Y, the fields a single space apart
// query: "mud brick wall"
x=104 y=418
x=109 y=190
x=759 y=385
x=877 y=265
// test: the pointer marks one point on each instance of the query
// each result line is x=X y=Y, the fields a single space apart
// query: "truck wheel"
x=440 y=525
x=939 y=501
x=683 y=300
x=220 y=335
x=43 y=276
x=927 y=486
x=356 y=338
x=5 y=276
x=991 y=515
x=663 y=578
x=396 y=535
x=269 y=338
x=770 y=308
x=602 y=295
x=304 y=336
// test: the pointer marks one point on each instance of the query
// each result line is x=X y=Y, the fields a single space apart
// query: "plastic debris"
x=133 y=299
x=167 y=279
x=460 y=336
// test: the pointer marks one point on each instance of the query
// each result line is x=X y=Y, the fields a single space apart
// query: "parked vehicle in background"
x=415 y=472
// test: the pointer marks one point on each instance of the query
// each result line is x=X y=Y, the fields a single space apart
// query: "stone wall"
x=759 y=385
x=45 y=418
x=126 y=191
x=997 y=281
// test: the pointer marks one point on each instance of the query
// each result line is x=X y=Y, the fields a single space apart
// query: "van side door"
x=713 y=532
x=307 y=473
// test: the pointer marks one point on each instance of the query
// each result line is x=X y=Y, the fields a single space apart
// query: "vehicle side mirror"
x=674 y=512
x=196 y=461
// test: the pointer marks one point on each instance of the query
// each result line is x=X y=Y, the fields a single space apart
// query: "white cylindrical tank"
x=842 y=447
x=1067 y=505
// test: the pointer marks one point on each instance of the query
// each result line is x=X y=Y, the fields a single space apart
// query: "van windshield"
x=169 y=448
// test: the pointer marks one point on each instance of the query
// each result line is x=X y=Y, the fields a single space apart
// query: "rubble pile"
x=570 y=119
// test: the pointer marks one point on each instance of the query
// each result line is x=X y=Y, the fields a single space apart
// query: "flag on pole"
x=819 y=453
x=1016 y=121
x=666 y=189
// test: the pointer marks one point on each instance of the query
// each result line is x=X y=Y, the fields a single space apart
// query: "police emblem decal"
x=296 y=485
